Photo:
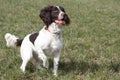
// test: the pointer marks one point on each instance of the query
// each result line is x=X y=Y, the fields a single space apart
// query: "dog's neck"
x=54 y=28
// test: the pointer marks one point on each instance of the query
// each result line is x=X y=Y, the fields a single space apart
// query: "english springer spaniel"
x=37 y=46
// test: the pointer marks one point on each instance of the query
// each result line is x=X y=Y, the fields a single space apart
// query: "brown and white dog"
x=37 y=46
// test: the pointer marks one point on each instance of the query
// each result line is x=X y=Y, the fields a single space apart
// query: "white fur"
x=45 y=44
x=61 y=14
x=10 y=40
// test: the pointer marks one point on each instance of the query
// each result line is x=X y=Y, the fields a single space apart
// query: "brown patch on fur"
x=33 y=37
x=19 y=42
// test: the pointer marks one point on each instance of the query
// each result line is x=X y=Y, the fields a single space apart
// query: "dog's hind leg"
x=26 y=55
x=36 y=63
x=23 y=66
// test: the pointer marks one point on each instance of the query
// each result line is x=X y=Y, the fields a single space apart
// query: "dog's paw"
x=46 y=64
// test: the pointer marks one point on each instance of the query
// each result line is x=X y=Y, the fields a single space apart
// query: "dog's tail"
x=12 y=40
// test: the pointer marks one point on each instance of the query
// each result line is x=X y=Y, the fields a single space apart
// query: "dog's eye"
x=56 y=11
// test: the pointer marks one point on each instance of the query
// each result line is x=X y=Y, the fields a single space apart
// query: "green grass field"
x=91 y=42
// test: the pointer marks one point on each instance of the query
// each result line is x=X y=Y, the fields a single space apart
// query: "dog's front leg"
x=56 y=63
x=43 y=57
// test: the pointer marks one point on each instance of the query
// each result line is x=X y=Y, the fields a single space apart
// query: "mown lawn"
x=91 y=42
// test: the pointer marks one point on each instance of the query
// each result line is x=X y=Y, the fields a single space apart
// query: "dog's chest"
x=54 y=46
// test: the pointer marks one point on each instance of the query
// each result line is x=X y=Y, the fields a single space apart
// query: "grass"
x=91 y=42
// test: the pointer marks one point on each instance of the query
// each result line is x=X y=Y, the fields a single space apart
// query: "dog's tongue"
x=60 y=22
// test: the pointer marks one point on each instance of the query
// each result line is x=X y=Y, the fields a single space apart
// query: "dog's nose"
x=62 y=14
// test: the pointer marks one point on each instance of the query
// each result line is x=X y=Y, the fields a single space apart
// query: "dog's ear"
x=66 y=19
x=45 y=15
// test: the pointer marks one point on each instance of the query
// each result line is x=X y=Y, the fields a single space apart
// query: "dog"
x=37 y=46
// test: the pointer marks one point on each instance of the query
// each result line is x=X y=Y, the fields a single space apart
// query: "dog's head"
x=55 y=14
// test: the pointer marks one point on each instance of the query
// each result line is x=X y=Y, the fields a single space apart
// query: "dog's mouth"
x=60 y=22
